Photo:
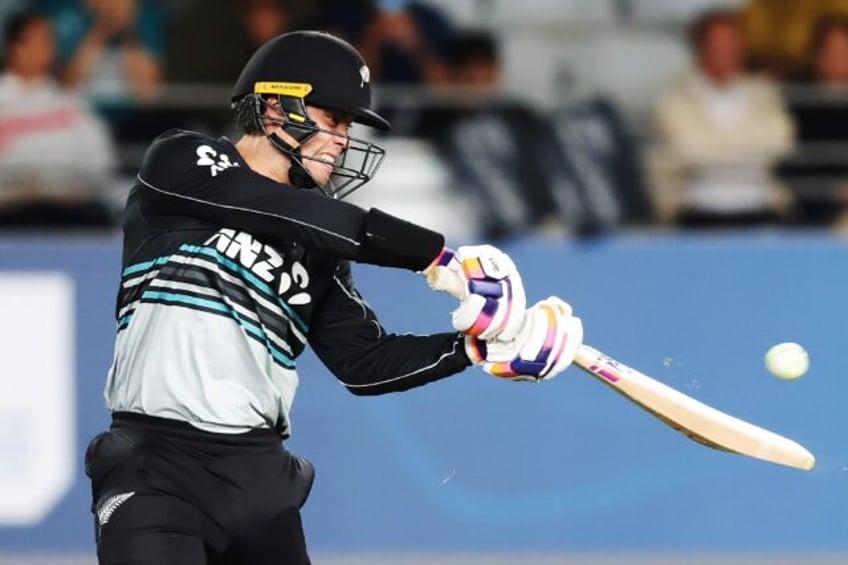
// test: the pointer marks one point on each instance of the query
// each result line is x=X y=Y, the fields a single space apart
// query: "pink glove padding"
x=489 y=287
x=545 y=346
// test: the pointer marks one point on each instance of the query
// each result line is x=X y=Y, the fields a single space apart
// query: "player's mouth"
x=327 y=161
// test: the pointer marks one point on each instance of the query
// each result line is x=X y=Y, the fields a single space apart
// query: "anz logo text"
x=263 y=261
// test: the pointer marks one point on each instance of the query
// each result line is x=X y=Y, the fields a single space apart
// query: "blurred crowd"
x=752 y=134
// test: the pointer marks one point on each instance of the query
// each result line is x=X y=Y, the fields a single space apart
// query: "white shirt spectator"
x=52 y=147
x=728 y=138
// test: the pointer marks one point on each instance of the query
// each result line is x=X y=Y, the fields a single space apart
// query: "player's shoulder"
x=179 y=154
x=180 y=138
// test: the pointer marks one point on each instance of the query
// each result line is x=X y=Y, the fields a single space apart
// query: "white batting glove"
x=545 y=346
x=489 y=287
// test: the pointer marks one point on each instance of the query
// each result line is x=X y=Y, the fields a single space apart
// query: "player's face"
x=321 y=151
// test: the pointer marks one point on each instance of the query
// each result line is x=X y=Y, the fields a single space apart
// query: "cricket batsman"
x=236 y=256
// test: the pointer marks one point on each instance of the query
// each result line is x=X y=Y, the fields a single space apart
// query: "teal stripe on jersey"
x=138 y=267
x=249 y=327
x=250 y=277
x=125 y=321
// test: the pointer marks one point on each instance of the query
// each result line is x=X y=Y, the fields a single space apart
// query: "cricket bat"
x=696 y=420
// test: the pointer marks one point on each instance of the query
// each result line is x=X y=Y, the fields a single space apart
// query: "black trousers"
x=164 y=492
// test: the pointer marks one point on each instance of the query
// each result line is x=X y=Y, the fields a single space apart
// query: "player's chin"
x=320 y=174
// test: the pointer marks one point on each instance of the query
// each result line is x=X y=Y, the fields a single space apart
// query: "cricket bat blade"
x=698 y=421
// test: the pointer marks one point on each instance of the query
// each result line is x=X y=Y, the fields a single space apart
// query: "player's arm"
x=347 y=337
x=176 y=180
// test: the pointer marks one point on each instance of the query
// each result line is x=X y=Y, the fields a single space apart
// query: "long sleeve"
x=187 y=175
x=346 y=335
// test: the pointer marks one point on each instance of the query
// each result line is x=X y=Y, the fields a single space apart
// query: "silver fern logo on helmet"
x=365 y=73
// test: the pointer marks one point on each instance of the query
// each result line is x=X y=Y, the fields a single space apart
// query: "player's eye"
x=338 y=119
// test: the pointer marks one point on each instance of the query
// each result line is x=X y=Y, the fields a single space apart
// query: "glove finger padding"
x=494 y=307
x=545 y=346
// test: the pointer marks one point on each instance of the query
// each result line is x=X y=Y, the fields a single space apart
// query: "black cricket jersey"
x=227 y=276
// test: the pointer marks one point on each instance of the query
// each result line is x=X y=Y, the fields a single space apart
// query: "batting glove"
x=544 y=347
x=489 y=287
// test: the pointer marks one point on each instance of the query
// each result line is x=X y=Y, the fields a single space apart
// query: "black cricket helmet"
x=316 y=69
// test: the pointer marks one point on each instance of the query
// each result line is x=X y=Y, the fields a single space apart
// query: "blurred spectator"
x=724 y=130
x=263 y=20
x=473 y=76
x=829 y=54
x=110 y=49
x=406 y=43
x=474 y=61
x=349 y=19
x=819 y=104
x=778 y=32
x=110 y=53
x=55 y=155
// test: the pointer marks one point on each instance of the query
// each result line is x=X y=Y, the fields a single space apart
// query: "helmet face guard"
x=316 y=69
x=356 y=165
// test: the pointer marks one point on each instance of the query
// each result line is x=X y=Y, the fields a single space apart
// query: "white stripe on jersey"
x=240 y=310
x=129 y=283
x=254 y=295
x=213 y=266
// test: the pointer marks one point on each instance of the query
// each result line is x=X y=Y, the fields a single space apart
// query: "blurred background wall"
x=674 y=168
x=472 y=468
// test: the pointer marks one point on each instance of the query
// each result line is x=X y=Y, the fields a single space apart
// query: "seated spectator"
x=109 y=52
x=349 y=19
x=777 y=32
x=473 y=76
x=406 y=43
x=55 y=155
x=829 y=54
x=263 y=20
x=723 y=130
x=820 y=109
x=474 y=60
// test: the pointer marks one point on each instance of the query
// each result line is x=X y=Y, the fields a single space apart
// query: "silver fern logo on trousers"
x=106 y=508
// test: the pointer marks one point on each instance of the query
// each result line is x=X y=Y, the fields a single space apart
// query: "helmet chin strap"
x=291 y=139
x=299 y=176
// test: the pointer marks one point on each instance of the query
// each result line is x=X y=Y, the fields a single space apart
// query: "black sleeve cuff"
x=392 y=242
